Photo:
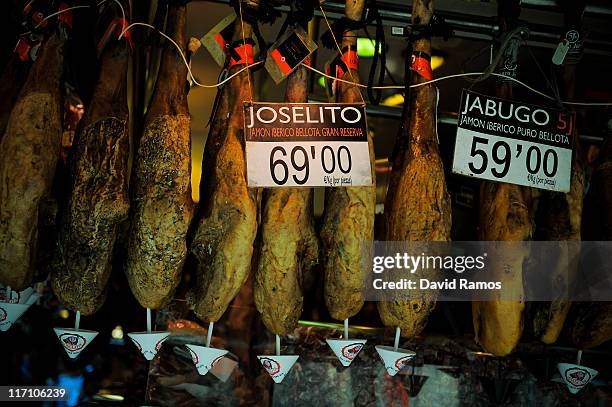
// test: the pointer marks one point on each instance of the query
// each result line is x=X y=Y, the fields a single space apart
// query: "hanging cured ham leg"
x=348 y=222
x=289 y=244
x=506 y=214
x=162 y=204
x=98 y=196
x=223 y=239
x=593 y=323
x=418 y=206
x=559 y=218
x=29 y=152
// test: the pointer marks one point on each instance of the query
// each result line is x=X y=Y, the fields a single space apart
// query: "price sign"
x=513 y=142
x=306 y=144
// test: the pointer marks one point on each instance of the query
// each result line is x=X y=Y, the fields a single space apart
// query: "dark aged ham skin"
x=348 y=222
x=289 y=245
x=162 y=204
x=29 y=152
x=225 y=233
x=13 y=77
x=559 y=218
x=418 y=206
x=98 y=199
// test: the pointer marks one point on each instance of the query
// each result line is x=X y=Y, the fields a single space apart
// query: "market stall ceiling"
x=203 y=15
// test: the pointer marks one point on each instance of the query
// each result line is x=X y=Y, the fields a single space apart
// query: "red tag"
x=306 y=60
x=280 y=61
x=221 y=41
x=114 y=29
x=124 y=24
x=22 y=49
x=351 y=60
x=421 y=64
x=66 y=16
x=244 y=52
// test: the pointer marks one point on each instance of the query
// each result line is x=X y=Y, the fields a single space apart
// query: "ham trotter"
x=418 y=206
x=506 y=214
x=289 y=246
x=348 y=220
x=29 y=152
x=161 y=199
x=227 y=225
x=98 y=197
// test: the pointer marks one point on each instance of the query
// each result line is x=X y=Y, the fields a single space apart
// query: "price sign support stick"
x=149 y=320
x=277 y=345
x=8 y=293
x=77 y=320
x=579 y=357
x=209 y=334
x=346 y=329
x=397 y=338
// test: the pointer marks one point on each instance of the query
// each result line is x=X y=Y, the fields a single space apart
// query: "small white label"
x=560 y=52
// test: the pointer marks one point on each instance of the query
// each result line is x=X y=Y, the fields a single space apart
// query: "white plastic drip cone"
x=148 y=343
x=205 y=358
x=394 y=359
x=74 y=341
x=576 y=377
x=278 y=366
x=346 y=349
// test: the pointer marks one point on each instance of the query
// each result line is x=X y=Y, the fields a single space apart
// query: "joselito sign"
x=513 y=142
x=306 y=144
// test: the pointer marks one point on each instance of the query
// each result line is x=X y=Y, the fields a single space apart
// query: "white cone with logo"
x=148 y=343
x=576 y=377
x=394 y=360
x=9 y=313
x=278 y=366
x=346 y=349
x=205 y=358
x=223 y=369
x=74 y=341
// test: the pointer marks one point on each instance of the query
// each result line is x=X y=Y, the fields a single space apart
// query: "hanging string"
x=340 y=51
x=465 y=75
x=180 y=51
x=118 y=3
x=246 y=59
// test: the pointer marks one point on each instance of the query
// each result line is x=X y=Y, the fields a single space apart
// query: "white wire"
x=461 y=75
x=180 y=51
x=442 y=78
x=58 y=13
x=117 y=2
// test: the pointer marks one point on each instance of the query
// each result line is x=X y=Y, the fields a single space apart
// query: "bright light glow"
x=365 y=47
x=393 y=100
x=321 y=81
x=64 y=314
x=436 y=61
x=117 y=332
x=104 y=394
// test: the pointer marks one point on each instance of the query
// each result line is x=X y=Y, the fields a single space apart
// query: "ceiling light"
x=117 y=332
x=436 y=61
x=321 y=81
x=393 y=100
x=366 y=47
